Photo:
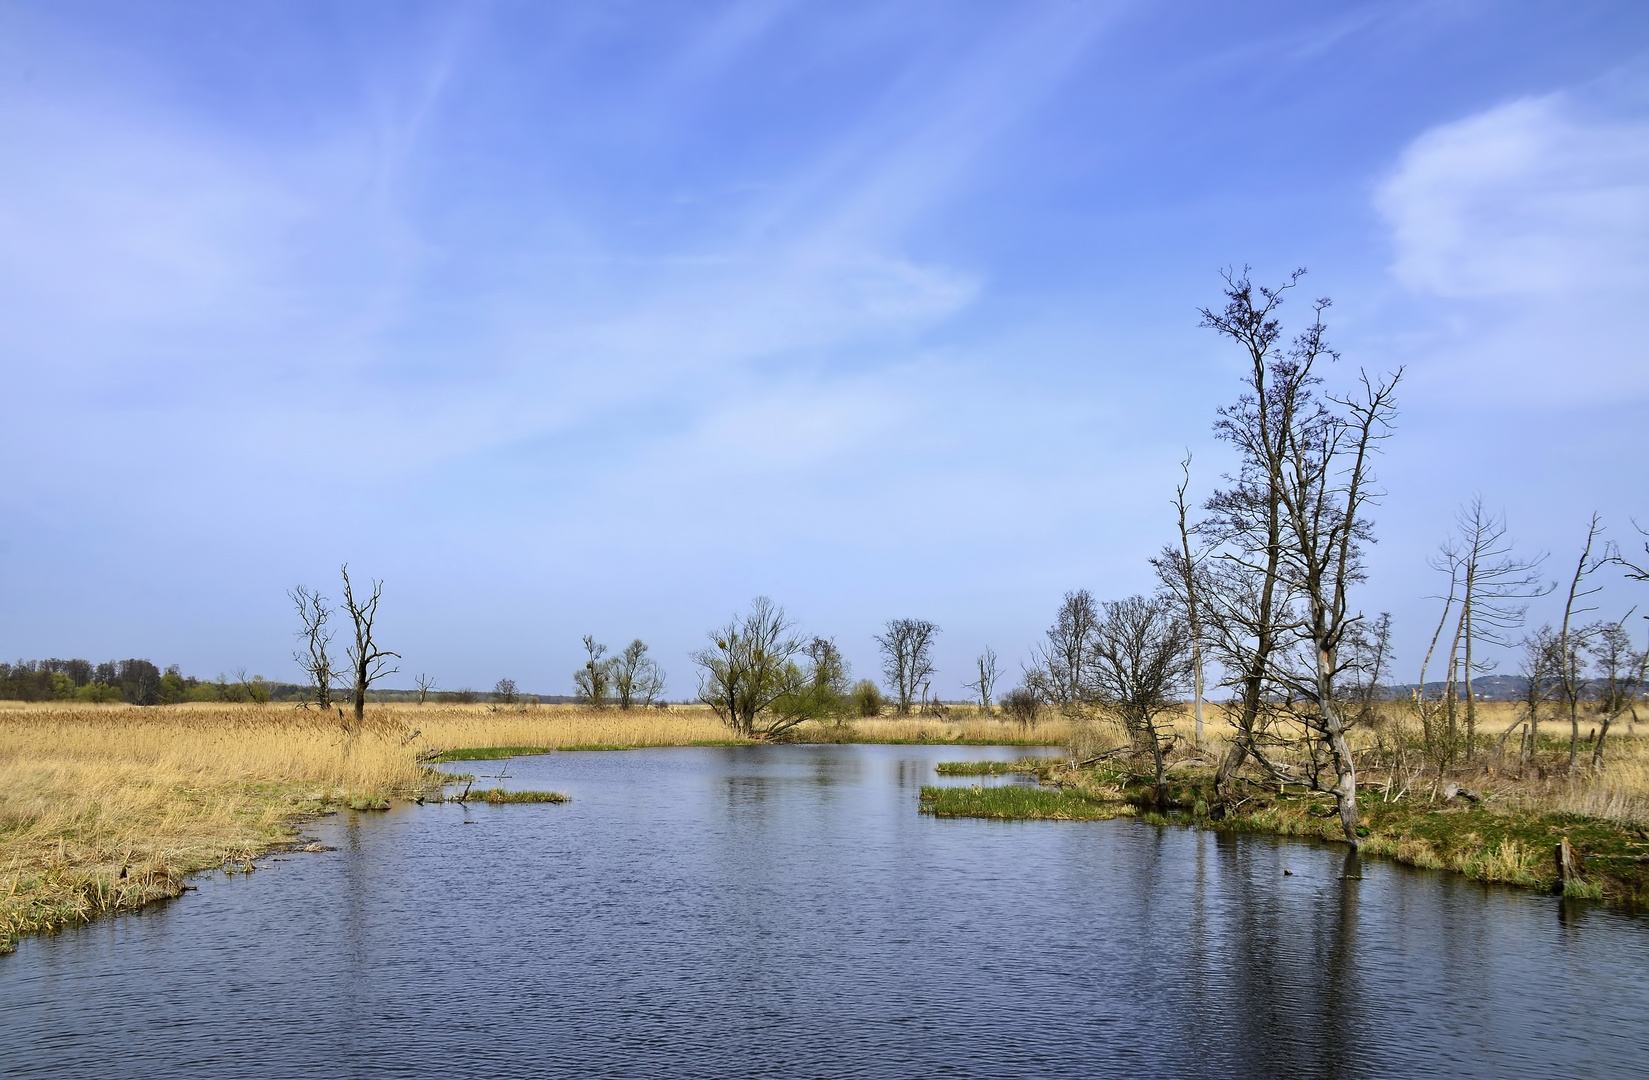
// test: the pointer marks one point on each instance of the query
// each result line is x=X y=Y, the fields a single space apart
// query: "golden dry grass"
x=104 y=808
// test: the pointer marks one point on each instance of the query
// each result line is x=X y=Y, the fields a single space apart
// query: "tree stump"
x=1568 y=863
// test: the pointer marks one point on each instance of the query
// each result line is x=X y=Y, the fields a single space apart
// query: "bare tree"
x=636 y=677
x=504 y=693
x=1140 y=662
x=1539 y=668
x=1635 y=571
x=594 y=679
x=1179 y=571
x=425 y=685
x=1621 y=671
x=251 y=688
x=1572 y=637
x=984 y=687
x=313 y=658
x=368 y=662
x=1064 y=658
x=1438 y=717
x=1490 y=581
x=747 y=667
x=1327 y=485
x=1292 y=525
x=907 y=658
x=1249 y=604
x=828 y=670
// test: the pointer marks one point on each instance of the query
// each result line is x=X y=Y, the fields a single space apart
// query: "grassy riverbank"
x=1505 y=828
x=105 y=808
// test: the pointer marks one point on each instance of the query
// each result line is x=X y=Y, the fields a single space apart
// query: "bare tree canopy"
x=593 y=681
x=1139 y=663
x=1182 y=574
x=369 y=662
x=1620 y=671
x=984 y=683
x=907 y=658
x=313 y=658
x=1293 y=525
x=636 y=677
x=748 y=666
x=1064 y=657
x=1485 y=582
x=1572 y=636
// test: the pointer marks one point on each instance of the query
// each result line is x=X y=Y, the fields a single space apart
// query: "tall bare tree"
x=1539 y=667
x=1572 y=637
x=1179 y=570
x=907 y=658
x=1328 y=484
x=368 y=662
x=636 y=677
x=748 y=666
x=1438 y=716
x=1292 y=525
x=1490 y=581
x=984 y=685
x=313 y=658
x=1249 y=607
x=1139 y=663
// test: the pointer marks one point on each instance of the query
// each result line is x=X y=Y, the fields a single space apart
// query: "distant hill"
x=1486 y=687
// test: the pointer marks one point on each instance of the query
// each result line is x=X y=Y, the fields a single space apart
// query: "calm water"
x=784 y=911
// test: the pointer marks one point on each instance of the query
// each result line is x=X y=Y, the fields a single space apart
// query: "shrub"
x=1023 y=706
x=867 y=698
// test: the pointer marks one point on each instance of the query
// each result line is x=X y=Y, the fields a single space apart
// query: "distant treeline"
x=141 y=682
x=136 y=682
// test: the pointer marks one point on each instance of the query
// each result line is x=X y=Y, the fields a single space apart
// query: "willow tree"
x=749 y=665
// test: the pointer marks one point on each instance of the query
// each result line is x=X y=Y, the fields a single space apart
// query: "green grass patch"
x=1012 y=802
x=1487 y=843
x=992 y=768
x=487 y=753
x=498 y=796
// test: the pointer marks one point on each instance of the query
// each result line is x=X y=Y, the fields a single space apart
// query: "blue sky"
x=604 y=318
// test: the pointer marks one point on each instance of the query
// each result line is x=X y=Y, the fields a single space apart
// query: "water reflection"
x=785 y=911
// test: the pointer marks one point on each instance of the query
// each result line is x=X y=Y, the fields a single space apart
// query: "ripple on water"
x=784 y=911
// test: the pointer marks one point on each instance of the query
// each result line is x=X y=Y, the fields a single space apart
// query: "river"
x=785 y=911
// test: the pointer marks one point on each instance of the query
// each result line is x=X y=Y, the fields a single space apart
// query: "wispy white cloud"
x=1523 y=231
x=1538 y=196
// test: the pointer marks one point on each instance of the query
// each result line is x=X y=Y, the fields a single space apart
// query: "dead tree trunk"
x=369 y=662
